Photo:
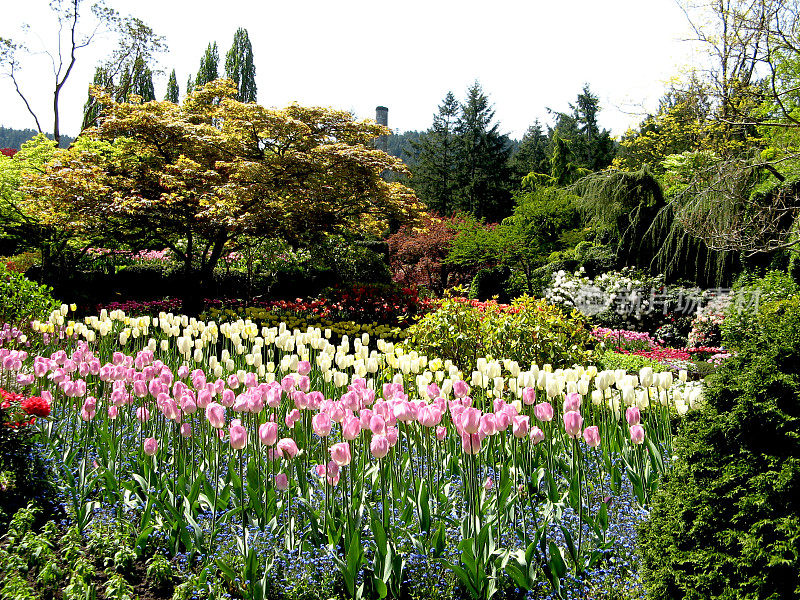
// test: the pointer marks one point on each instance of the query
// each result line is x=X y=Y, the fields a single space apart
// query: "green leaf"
x=556 y=562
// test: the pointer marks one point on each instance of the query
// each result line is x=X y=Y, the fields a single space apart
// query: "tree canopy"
x=195 y=176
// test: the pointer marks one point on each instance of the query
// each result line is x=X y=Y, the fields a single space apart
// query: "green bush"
x=632 y=363
x=23 y=300
x=725 y=522
x=750 y=295
x=529 y=331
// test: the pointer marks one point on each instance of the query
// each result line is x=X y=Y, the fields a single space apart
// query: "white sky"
x=356 y=54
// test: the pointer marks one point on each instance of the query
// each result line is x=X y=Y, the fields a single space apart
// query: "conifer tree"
x=239 y=66
x=173 y=92
x=482 y=160
x=209 y=66
x=141 y=81
x=434 y=177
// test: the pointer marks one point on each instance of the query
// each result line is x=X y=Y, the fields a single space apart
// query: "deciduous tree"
x=197 y=175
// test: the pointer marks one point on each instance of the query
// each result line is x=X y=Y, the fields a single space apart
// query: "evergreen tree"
x=189 y=85
x=531 y=154
x=592 y=148
x=173 y=92
x=91 y=110
x=209 y=66
x=239 y=66
x=141 y=81
x=482 y=160
x=434 y=177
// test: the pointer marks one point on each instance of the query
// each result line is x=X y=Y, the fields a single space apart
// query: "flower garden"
x=290 y=380
x=287 y=454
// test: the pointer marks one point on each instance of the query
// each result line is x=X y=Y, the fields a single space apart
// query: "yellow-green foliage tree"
x=195 y=176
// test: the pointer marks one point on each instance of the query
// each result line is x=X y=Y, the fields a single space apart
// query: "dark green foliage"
x=435 y=169
x=482 y=163
x=173 y=91
x=14 y=138
x=23 y=300
x=239 y=66
x=750 y=295
x=725 y=523
x=531 y=153
x=490 y=283
x=209 y=67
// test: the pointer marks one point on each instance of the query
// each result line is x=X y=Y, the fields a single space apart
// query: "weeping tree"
x=635 y=212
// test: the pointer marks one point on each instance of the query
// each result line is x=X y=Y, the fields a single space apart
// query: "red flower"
x=36 y=406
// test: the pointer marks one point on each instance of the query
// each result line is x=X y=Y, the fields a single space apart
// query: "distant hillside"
x=14 y=138
x=400 y=145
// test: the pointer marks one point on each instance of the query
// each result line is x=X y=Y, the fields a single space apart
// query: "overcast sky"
x=356 y=54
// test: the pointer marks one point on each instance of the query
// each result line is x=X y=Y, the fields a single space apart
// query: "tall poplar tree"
x=239 y=66
x=434 y=173
x=482 y=160
x=173 y=92
x=209 y=66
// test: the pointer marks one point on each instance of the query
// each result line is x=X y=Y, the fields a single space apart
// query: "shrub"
x=630 y=362
x=22 y=299
x=725 y=522
x=751 y=294
x=528 y=331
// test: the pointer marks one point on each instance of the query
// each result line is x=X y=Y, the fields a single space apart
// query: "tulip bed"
x=268 y=462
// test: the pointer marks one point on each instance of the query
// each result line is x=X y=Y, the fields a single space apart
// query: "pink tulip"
x=470 y=443
x=403 y=412
x=377 y=424
x=379 y=446
x=520 y=426
x=488 y=484
x=543 y=412
x=441 y=432
x=572 y=403
x=505 y=418
x=250 y=380
x=142 y=414
x=303 y=367
x=351 y=427
x=233 y=381
x=332 y=473
x=304 y=383
x=215 y=413
x=292 y=417
x=228 y=397
x=637 y=434
x=340 y=453
x=188 y=405
x=536 y=435
x=268 y=433
x=591 y=436
x=113 y=411
x=460 y=388
x=203 y=398
x=281 y=481
x=528 y=396
x=183 y=372
x=433 y=390
x=150 y=446
x=488 y=426
x=392 y=433
x=633 y=416
x=186 y=430
x=573 y=422
x=238 y=435
x=287 y=448
x=321 y=424
x=470 y=420
x=300 y=399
